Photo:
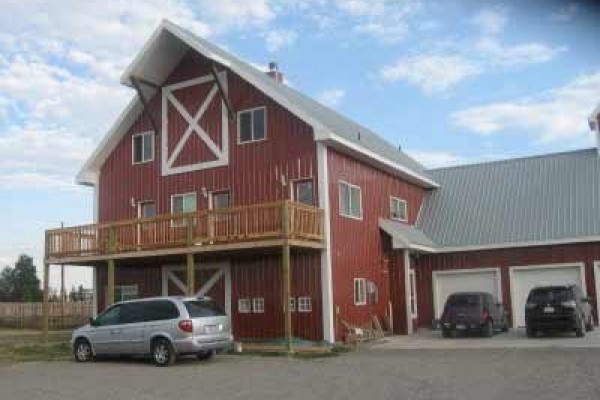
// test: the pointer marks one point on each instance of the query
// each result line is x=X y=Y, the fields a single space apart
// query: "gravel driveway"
x=367 y=374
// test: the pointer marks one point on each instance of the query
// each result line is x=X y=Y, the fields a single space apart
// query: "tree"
x=20 y=284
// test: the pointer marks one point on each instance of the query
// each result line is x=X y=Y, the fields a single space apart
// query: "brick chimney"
x=274 y=72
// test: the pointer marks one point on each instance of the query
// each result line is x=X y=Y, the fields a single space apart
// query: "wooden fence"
x=29 y=315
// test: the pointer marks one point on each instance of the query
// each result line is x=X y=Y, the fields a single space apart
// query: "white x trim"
x=221 y=154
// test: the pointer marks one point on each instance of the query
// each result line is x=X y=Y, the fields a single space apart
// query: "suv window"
x=464 y=300
x=203 y=308
x=550 y=295
x=157 y=310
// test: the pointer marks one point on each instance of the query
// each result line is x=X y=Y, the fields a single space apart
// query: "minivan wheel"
x=580 y=329
x=488 y=330
x=205 y=355
x=163 y=353
x=82 y=350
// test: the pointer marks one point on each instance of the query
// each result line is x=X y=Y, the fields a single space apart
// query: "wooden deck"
x=261 y=225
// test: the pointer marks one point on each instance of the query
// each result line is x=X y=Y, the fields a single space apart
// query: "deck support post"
x=45 y=305
x=110 y=286
x=286 y=278
x=409 y=321
x=190 y=274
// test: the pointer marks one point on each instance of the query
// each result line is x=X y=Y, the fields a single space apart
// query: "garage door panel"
x=526 y=278
x=445 y=283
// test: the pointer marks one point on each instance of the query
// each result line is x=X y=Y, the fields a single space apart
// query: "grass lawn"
x=27 y=345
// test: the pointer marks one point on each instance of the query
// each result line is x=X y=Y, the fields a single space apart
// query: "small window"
x=360 y=292
x=220 y=199
x=350 y=200
x=304 y=193
x=143 y=147
x=146 y=209
x=398 y=209
x=252 y=125
x=258 y=305
x=244 y=306
x=182 y=203
x=125 y=292
x=292 y=304
x=413 y=293
x=304 y=304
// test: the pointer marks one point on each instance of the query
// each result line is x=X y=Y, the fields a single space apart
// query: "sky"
x=449 y=81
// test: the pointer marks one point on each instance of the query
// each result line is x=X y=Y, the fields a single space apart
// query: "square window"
x=398 y=209
x=304 y=304
x=350 y=200
x=182 y=203
x=258 y=305
x=244 y=306
x=125 y=292
x=143 y=147
x=360 y=292
x=252 y=125
x=304 y=193
x=220 y=200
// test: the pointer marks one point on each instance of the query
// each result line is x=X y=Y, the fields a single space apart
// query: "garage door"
x=523 y=279
x=473 y=280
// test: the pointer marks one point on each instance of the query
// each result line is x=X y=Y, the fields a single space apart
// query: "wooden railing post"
x=285 y=219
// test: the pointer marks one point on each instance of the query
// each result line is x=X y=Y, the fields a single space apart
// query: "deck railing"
x=284 y=219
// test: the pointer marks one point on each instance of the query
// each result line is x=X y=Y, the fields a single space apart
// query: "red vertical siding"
x=358 y=248
x=503 y=259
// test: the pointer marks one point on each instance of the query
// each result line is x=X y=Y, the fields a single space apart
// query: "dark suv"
x=473 y=312
x=558 y=308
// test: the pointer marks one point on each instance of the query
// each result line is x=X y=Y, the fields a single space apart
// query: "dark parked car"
x=473 y=312
x=558 y=308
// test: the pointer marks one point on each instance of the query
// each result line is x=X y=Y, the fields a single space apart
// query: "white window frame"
x=258 y=305
x=304 y=304
x=292 y=304
x=239 y=125
x=119 y=290
x=361 y=299
x=244 y=306
x=147 y=133
x=350 y=186
x=213 y=193
x=413 y=293
x=180 y=223
x=294 y=189
x=400 y=201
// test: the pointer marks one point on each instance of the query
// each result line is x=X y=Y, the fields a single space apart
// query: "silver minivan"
x=163 y=327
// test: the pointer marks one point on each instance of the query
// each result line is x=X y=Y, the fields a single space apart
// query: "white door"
x=525 y=278
x=466 y=280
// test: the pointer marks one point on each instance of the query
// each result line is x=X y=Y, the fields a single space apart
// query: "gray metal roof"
x=405 y=236
x=551 y=197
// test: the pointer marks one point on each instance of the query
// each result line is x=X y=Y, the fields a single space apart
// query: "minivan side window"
x=132 y=313
x=159 y=310
x=111 y=316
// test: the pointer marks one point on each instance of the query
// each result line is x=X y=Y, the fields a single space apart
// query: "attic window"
x=252 y=125
x=142 y=147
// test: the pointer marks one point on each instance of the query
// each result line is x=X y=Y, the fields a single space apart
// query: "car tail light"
x=186 y=325
x=569 y=304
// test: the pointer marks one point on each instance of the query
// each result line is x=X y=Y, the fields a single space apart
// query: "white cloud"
x=331 y=97
x=432 y=73
x=362 y=7
x=520 y=54
x=557 y=114
x=277 y=39
x=491 y=21
x=436 y=159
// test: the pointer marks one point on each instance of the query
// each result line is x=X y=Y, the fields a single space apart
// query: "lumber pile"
x=361 y=333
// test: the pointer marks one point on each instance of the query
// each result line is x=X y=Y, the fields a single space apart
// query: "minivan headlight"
x=569 y=304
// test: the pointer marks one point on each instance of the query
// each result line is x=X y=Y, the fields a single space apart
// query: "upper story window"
x=398 y=209
x=350 y=200
x=183 y=203
x=142 y=147
x=304 y=192
x=252 y=125
x=221 y=199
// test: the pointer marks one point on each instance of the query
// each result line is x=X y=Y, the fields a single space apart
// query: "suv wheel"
x=82 y=350
x=163 y=353
x=488 y=329
x=205 y=355
x=580 y=329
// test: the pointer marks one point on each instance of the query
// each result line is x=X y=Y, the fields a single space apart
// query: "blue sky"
x=449 y=81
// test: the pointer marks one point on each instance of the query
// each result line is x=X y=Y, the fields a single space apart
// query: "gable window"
x=398 y=209
x=182 y=203
x=252 y=125
x=303 y=192
x=143 y=147
x=360 y=291
x=350 y=200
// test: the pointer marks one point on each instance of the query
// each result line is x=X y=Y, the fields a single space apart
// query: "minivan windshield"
x=464 y=300
x=203 y=308
x=550 y=295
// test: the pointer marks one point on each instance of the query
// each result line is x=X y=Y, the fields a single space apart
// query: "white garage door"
x=471 y=280
x=523 y=279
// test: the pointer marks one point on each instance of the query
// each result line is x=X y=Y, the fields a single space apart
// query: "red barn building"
x=220 y=180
